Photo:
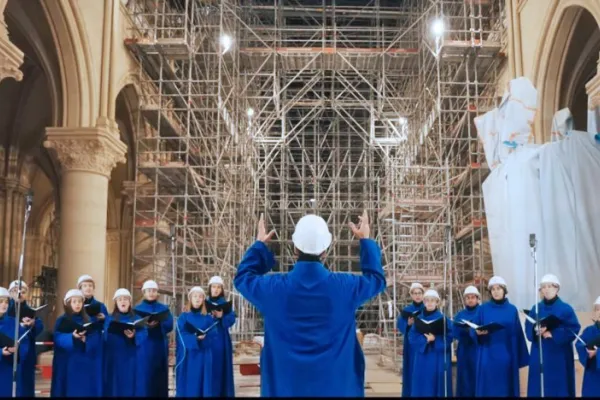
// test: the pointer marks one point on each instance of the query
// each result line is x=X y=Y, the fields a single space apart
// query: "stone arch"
x=79 y=99
x=558 y=32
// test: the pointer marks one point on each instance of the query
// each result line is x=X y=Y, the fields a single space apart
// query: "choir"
x=128 y=348
x=123 y=353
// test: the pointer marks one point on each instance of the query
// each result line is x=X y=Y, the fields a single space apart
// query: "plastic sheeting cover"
x=571 y=216
x=512 y=201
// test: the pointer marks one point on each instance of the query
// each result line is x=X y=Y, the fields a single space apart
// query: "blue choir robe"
x=194 y=361
x=7 y=327
x=156 y=350
x=75 y=366
x=466 y=354
x=222 y=355
x=500 y=354
x=431 y=365
x=103 y=310
x=559 y=359
x=311 y=348
x=404 y=329
x=591 y=372
x=124 y=372
x=30 y=360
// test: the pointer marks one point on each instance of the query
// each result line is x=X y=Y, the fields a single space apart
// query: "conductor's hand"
x=363 y=230
x=262 y=235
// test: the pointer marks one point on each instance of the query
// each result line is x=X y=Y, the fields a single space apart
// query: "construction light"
x=438 y=27
x=402 y=121
x=250 y=112
x=226 y=42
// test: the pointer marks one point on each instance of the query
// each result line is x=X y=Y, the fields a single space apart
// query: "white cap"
x=84 y=278
x=311 y=235
x=496 y=280
x=196 y=289
x=471 y=290
x=73 y=293
x=15 y=284
x=122 y=292
x=431 y=293
x=416 y=285
x=549 y=278
x=597 y=302
x=215 y=280
x=4 y=292
x=149 y=284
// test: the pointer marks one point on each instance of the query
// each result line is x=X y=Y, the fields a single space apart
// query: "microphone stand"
x=533 y=246
x=173 y=263
x=28 y=204
x=448 y=255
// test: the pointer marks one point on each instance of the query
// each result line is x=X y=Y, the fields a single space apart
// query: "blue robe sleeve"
x=460 y=331
x=167 y=325
x=229 y=319
x=439 y=340
x=417 y=341
x=190 y=341
x=581 y=349
x=372 y=282
x=522 y=351
x=93 y=342
x=249 y=279
x=63 y=341
x=401 y=325
x=140 y=337
x=564 y=334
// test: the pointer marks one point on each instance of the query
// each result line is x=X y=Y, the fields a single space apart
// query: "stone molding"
x=11 y=57
x=96 y=150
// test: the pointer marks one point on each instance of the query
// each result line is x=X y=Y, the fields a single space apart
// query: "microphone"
x=172 y=231
x=29 y=198
x=532 y=240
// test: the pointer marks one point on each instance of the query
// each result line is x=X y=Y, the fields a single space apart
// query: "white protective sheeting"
x=571 y=216
x=512 y=205
x=562 y=124
x=593 y=121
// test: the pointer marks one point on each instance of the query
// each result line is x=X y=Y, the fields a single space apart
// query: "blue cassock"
x=311 y=348
x=75 y=365
x=7 y=327
x=431 y=361
x=591 y=375
x=407 y=354
x=194 y=361
x=500 y=354
x=222 y=355
x=156 y=350
x=30 y=360
x=559 y=360
x=124 y=374
x=104 y=311
x=466 y=354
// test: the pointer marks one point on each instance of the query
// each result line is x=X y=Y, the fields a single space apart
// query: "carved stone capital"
x=11 y=57
x=113 y=236
x=96 y=150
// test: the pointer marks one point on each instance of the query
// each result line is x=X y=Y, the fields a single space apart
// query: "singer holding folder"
x=196 y=334
x=557 y=343
x=405 y=322
x=466 y=352
x=76 y=351
x=502 y=352
x=7 y=334
x=124 y=340
x=587 y=348
x=429 y=350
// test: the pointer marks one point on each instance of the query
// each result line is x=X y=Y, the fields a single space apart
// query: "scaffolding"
x=288 y=107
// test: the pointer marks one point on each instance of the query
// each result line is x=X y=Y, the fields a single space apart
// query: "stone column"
x=593 y=91
x=11 y=57
x=113 y=263
x=87 y=157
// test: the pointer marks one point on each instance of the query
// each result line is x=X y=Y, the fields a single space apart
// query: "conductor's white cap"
x=551 y=279
x=471 y=290
x=416 y=285
x=496 y=280
x=84 y=278
x=4 y=292
x=149 y=284
x=15 y=284
x=73 y=293
x=122 y=292
x=196 y=289
x=215 y=280
x=431 y=293
x=311 y=235
x=597 y=302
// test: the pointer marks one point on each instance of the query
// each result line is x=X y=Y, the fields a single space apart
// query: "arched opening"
x=579 y=66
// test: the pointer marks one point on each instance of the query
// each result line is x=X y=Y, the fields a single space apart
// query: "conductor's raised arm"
x=372 y=282
x=258 y=260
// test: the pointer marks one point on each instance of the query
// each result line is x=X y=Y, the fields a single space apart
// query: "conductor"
x=310 y=347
